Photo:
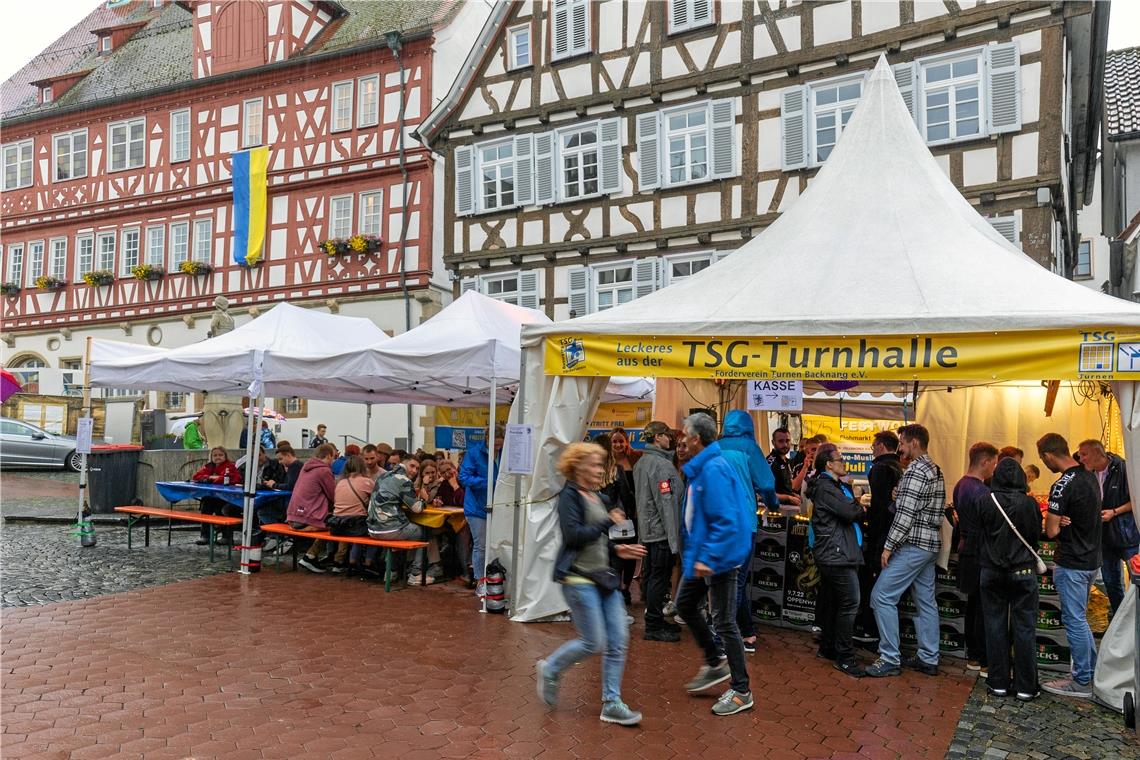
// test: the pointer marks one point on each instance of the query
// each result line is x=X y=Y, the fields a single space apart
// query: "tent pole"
x=252 y=448
x=368 y=422
x=490 y=484
x=86 y=529
x=516 y=523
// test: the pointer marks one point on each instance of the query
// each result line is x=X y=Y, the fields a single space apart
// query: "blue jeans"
x=478 y=527
x=601 y=623
x=1112 y=576
x=909 y=566
x=1074 y=586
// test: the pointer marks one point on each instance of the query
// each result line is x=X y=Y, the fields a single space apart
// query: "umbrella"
x=265 y=412
x=9 y=385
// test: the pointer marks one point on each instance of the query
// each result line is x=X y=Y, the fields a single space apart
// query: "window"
x=156 y=246
x=497 y=168
x=1006 y=227
x=174 y=401
x=832 y=106
x=70 y=155
x=179 y=243
x=84 y=255
x=294 y=407
x=371 y=206
x=1083 y=266
x=952 y=98
x=604 y=286
x=57 y=265
x=105 y=43
x=252 y=123
x=689 y=14
x=180 y=135
x=518 y=288
x=613 y=286
x=130 y=258
x=679 y=268
x=341 y=106
x=46 y=94
x=340 y=217
x=18 y=165
x=15 y=263
x=578 y=150
x=35 y=261
x=105 y=258
x=368 y=107
x=128 y=144
x=696 y=143
x=203 y=240
x=570 y=28
x=518 y=47
x=686 y=145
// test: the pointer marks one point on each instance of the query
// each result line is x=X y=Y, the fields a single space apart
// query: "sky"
x=32 y=26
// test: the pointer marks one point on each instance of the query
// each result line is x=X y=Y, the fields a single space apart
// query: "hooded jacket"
x=718 y=514
x=394 y=492
x=833 y=522
x=473 y=478
x=1001 y=549
x=1121 y=530
x=313 y=494
x=657 y=487
x=740 y=436
x=885 y=473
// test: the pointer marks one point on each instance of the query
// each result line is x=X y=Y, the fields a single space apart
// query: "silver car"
x=23 y=445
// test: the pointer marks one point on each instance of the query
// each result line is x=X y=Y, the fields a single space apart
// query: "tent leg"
x=490 y=485
x=252 y=448
x=516 y=521
x=368 y=423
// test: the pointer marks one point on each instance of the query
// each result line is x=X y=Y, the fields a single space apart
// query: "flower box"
x=99 y=277
x=148 y=272
x=355 y=244
x=48 y=282
x=195 y=267
x=9 y=289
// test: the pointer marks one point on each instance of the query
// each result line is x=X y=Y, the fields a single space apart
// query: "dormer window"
x=155 y=3
x=105 y=43
x=46 y=94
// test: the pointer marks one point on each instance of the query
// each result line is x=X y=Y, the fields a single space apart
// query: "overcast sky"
x=32 y=26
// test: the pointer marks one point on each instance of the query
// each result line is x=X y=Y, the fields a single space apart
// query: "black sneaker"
x=750 y=647
x=851 y=668
x=202 y=542
x=1000 y=693
x=311 y=564
x=1028 y=696
x=339 y=568
x=913 y=663
x=662 y=634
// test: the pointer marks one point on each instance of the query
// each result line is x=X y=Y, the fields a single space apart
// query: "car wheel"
x=72 y=462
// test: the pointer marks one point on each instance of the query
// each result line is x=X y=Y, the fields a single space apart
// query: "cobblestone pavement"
x=1046 y=729
x=46 y=493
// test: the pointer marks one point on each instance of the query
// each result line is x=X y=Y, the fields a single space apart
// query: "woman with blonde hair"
x=589 y=583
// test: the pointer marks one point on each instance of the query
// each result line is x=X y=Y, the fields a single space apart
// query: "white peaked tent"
x=880 y=244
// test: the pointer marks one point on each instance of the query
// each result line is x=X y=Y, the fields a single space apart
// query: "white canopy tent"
x=881 y=244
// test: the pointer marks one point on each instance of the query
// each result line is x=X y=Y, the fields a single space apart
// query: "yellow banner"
x=626 y=415
x=846 y=431
x=470 y=417
x=987 y=357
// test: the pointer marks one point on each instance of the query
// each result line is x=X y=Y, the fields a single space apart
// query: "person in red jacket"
x=218 y=471
x=311 y=501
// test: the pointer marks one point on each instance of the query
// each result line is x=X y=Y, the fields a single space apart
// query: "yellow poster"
x=986 y=357
x=629 y=416
x=470 y=417
x=853 y=437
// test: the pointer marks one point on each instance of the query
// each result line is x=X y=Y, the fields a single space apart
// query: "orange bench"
x=135 y=514
x=282 y=529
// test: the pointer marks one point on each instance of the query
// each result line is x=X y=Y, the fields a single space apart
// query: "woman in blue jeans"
x=589 y=582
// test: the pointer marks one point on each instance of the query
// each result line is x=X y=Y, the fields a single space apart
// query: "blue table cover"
x=178 y=490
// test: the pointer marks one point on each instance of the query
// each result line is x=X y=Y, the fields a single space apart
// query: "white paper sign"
x=83 y=435
x=775 y=395
x=519 y=445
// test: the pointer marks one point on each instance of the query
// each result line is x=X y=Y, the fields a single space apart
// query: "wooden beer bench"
x=136 y=514
x=389 y=546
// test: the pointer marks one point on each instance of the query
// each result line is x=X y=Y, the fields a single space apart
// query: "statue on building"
x=222 y=322
x=222 y=419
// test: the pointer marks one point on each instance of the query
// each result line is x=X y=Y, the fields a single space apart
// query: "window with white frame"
x=47 y=94
x=35 y=261
x=371 y=209
x=689 y=14
x=179 y=243
x=1082 y=268
x=127 y=140
x=368 y=101
x=952 y=98
x=678 y=268
x=70 y=155
x=105 y=251
x=57 y=265
x=832 y=104
x=518 y=288
x=603 y=286
x=340 y=217
x=156 y=246
x=180 y=135
x=497 y=170
x=105 y=43
x=341 y=106
x=518 y=47
x=18 y=165
x=253 y=123
x=131 y=246
x=203 y=240
x=686 y=146
x=84 y=255
x=15 y=271
x=613 y=285
x=570 y=28
x=174 y=401
x=578 y=150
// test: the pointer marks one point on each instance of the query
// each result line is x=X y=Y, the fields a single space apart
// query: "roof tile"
x=1122 y=93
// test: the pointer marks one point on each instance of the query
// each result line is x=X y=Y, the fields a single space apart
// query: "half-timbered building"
x=599 y=150
x=117 y=156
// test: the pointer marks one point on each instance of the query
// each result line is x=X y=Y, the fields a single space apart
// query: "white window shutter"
x=1003 y=73
x=610 y=157
x=793 y=128
x=560 y=29
x=469 y=283
x=905 y=78
x=524 y=170
x=678 y=14
x=648 y=151
x=1006 y=226
x=544 y=168
x=579 y=291
x=464 y=180
x=723 y=120
x=702 y=12
x=580 y=26
x=528 y=289
x=645 y=276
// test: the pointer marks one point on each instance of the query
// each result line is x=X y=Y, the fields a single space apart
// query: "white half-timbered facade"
x=599 y=150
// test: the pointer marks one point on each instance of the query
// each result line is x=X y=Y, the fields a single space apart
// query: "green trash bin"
x=111 y=471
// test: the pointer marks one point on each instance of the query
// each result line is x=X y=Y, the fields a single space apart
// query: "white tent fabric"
x=881 y=243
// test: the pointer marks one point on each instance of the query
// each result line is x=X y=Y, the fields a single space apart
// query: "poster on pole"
x=775 y=395
x=519 y=446
x=83 y=434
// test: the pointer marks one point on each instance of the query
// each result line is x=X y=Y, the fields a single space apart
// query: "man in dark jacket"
x=781 y=467
x=886 y=469
x=473 y=478
x=657 y=486
x=1119 y=537
x=971 y=498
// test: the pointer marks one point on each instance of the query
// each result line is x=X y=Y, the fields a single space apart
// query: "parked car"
x=23 y=445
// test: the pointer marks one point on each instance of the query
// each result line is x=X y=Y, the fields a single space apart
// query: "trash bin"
x=111 y=470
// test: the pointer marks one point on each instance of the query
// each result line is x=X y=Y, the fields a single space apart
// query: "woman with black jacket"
x=838 y=555
x=1009 y=583
x=589 y=583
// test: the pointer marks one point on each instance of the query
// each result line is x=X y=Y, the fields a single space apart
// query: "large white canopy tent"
x=880 y=244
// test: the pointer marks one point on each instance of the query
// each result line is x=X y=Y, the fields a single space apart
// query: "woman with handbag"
x=589 y=583
x=350 y=511
x=1010 y=528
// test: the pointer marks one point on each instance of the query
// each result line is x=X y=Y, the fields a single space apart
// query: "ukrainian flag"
x=249 y=202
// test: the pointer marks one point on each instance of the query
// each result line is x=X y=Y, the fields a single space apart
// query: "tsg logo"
x=573 y=353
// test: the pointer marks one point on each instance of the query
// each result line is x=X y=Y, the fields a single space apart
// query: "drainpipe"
x=395 y=44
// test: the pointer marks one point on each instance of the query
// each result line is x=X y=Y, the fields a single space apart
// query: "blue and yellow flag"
x=249 y=168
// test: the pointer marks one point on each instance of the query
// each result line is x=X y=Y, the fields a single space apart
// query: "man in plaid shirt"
x=908 y=559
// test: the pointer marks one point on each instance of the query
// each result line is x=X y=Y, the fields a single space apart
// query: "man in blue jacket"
x=717 y=523
x=473 y=478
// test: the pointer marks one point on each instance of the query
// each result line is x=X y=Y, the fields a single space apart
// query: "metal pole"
x=368 y=422
x=490 y=483
x=85 y=527
x=252 y=448
x=520 y=414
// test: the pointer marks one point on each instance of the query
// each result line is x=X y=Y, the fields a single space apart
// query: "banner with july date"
x=985 y=357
